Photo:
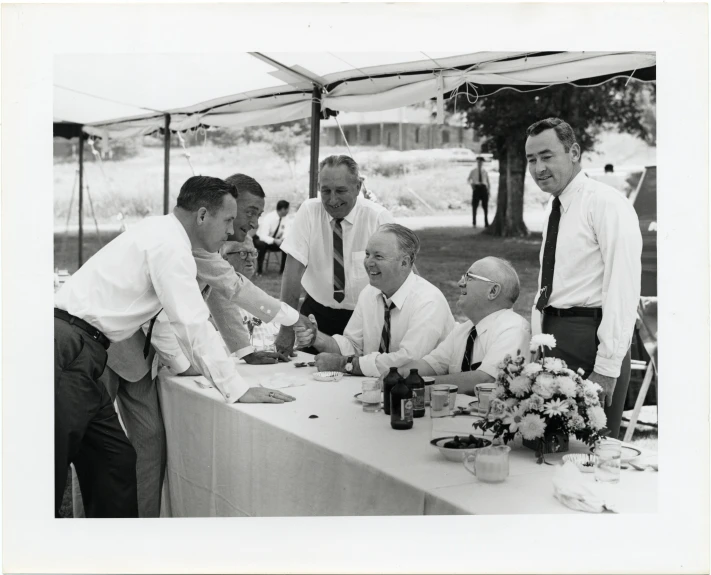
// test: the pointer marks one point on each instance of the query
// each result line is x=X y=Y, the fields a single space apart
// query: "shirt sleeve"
x=296 y=244
x=617 y=229
x=264 y=231
x=166 y=345
x=351 y=342
x=425 y=328
x=173 y=274
x=512 y=340
x=441 y=357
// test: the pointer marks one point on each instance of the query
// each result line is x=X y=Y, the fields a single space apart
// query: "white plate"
x=327 y=375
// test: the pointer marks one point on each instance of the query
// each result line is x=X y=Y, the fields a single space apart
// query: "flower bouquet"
x=544 y=402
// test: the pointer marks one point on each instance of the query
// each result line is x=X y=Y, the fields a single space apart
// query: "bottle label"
x=406 y=407
x=418 y=395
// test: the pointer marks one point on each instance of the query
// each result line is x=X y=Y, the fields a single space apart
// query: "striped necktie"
x=385 y=336
x=469 y=352
x=339 y=274
x=548 y=265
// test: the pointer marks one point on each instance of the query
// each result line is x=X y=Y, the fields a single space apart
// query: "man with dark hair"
x=326 y=248
x=589 y=283
x=270 y=234
x=127 y=283
x=479 y=181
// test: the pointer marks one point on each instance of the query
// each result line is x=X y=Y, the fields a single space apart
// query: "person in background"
x=612 y=179
x=127 y=283
x=479 y=181
x=270 y=234
x=326 y=247
x=399 y=317
x=473 y=350
x=590 y=276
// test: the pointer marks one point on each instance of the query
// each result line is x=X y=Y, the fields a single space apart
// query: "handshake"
x=302 y=334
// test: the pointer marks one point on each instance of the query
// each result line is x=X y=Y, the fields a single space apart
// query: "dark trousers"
x=330 y=321
x=262 y=249
x=576 y=344
x=87 y=431
x=480 y=193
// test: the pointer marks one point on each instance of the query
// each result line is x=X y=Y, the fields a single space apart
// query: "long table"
x=322 y=455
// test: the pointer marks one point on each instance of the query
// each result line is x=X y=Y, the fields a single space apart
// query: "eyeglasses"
x=468 y=275
x=244 y=254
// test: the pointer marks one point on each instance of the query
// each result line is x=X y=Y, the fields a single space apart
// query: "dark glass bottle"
x=389 y=382
x=417 y=385
x=401 y=406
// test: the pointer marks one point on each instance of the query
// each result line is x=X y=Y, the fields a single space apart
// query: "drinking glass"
x=453 y=390
x=429 y=382
x=607 y=466
x=370 y=396
x=489 y=464
x=483 y=394
x=439 y=401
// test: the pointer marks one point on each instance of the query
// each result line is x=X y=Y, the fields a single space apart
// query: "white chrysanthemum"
x=566 y=386
x=576 y=421
x=499 y=392
x=524 y=405
x=520 y=385
x=591 y=386
x=532 y=426
x=542 y=339
x=597 y=417
x=556 y=407
x=513 y=419
x=510 y=402
x=553 y=364
x=535 y=402
x=532 y=369
x=497 y=407
x=545 y=385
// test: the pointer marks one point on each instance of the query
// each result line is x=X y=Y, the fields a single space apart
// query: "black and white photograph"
x=335 y=284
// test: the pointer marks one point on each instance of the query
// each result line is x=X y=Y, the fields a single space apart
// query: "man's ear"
x=575 y=152
x=201 y=215
x=494 y=291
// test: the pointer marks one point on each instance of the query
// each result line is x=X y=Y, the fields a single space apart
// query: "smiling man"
x=472 y=351
x=400 y=316
x=326 y=246
x=589 y=283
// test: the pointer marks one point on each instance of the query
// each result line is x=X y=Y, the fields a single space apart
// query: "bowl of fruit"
x=454 y=448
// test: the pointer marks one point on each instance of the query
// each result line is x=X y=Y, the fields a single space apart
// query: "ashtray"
x=585 y=462
x=327 y=375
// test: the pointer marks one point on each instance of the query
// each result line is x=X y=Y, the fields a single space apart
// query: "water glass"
x=483 y=394
x=429 y=382
x=370 y=396
x=453 y=390
x=609 y=455
x=439 y=401
x=489 y=464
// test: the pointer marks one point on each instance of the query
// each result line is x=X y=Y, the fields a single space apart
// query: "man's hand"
x=278 y=242
x=330 y=362
x=305 y=330
x=608 y=387
x=264 y=395
x=284 y=341
x=265 y=357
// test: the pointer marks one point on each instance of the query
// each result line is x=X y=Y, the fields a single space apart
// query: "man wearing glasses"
x=472 y=351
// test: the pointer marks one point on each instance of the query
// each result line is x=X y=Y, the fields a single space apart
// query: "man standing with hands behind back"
x=589 y=283
x=479 y=181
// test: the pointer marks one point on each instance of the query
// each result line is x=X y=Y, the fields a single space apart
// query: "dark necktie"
x=275 y=235
x=548 y=265
x=147 y=345
x=385 y=336
x=339 y=274
x=479 y=175
x=469 y=352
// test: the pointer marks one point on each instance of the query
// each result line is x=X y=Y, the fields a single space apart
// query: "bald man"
x=471 y=352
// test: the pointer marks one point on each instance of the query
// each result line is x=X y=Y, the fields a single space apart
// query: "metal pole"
x=81 y=197
x=315 y=134
x=166 y=166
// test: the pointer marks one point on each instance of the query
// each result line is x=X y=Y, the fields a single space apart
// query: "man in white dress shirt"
x=147 y=268
x=472 y=351
x=589 y=283
x=399 y=317
x=270 y=234
x=326 y=248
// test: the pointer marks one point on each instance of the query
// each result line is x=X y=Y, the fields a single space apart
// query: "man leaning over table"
x=472 y=351
x=325 y=249
x=591 y=268
x=128 y=282
x=400 y=316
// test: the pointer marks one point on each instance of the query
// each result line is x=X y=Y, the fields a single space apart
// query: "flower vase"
x=556 y=442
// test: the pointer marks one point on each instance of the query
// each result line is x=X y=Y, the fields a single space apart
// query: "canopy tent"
x=120 y=96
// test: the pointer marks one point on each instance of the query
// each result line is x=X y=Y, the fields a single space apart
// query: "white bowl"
x=327 y=375
x=452 y=454
x=585 y=462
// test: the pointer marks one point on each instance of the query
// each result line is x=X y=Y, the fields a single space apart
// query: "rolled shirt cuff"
x=367 y=365
x=240 y=353
x=435 y=365
x=344 y=344
x=286 y=315
x=608 y=366
x=179 y=364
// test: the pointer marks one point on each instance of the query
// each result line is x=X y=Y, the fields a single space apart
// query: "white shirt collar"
x=489 y=321
x=403 y=291
x=183 y=233
x=567 y=195
x=350 y=218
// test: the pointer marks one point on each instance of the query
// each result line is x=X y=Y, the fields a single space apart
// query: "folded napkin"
x=580 y=491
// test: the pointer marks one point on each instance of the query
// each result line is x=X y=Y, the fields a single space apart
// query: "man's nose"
x=230 y=229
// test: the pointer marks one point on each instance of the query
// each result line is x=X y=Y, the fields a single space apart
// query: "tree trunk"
x=496 y=228
x=515 y=174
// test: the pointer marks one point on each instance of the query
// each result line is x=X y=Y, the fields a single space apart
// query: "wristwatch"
x=349 y=363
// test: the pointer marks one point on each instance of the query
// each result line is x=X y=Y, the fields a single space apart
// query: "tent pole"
x=166 y=166
x=315 y=133
x=81 y=197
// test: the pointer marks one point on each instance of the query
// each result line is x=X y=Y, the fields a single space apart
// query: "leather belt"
x=595 y=312
x=95 y=334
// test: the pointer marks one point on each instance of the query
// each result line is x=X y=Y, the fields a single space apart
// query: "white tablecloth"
x=274 y=460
